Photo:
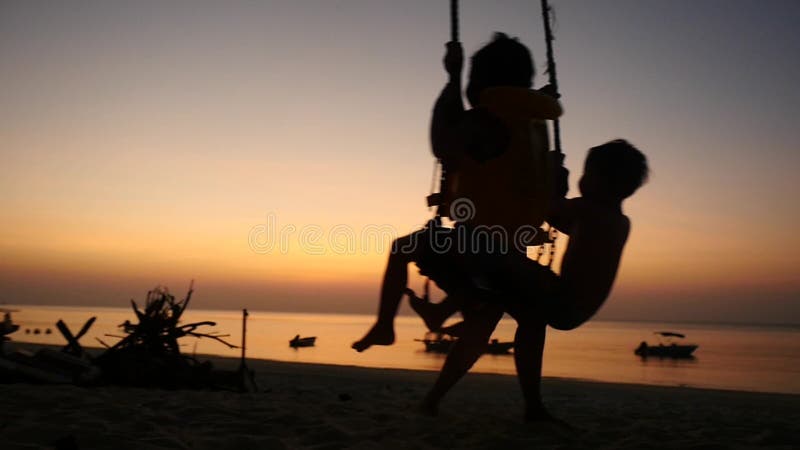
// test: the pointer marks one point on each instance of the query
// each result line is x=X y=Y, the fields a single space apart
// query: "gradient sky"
x=143 y=142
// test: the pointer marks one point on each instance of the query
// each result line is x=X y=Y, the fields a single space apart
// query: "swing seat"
x=513 y=188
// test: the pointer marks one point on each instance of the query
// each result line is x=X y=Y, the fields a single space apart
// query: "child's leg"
x=394 y=283
x=433 y=314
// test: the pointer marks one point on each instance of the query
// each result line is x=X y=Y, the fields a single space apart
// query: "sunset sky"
x=149 y=142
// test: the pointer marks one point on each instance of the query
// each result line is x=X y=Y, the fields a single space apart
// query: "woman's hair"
x=502 y=62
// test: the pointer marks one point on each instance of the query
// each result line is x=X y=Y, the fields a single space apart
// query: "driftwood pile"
x=148 y=355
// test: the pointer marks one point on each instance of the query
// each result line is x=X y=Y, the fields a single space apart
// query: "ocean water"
x=749 y=358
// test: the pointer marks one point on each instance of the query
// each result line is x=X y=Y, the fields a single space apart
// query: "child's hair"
x=621 y=164
x=502 y=62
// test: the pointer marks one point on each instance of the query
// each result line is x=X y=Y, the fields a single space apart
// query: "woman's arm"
x=563 y=214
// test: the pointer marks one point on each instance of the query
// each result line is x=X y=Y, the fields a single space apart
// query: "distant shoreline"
x=404 y=313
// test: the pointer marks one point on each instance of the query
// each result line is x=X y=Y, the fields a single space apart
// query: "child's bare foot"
x=377 y=335
x=432 y=314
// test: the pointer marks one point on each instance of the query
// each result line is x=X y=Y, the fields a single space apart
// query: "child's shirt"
x=502 y=167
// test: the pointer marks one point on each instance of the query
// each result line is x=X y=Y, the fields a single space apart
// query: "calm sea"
x=751 y=358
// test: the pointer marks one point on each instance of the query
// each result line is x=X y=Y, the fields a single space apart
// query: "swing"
x=512 y=190
x=509 y=187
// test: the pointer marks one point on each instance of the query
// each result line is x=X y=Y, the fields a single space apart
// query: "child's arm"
x=449 y=108
x=562 y=211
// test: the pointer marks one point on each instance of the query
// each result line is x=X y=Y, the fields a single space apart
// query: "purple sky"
x=143 y=141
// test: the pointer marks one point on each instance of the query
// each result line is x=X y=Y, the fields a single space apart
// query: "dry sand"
x=333 y=407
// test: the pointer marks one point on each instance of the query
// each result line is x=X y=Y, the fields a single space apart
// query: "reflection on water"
x=730 y=357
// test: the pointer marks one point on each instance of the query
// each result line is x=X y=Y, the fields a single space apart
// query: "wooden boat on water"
x=499 y=348
x=439 y=342
x=298 y=341
x=668 y=349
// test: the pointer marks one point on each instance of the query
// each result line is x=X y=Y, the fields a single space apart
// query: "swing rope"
x=547 y=13
x=435 y=199
x=454 y=20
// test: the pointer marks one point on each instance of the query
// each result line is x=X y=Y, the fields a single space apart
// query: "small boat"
x=297 y=341
x=440 y=342
x=668 y=349
x=496 y=347
x=437 y=342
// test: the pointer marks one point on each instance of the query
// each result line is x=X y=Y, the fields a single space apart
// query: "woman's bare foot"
x=540 y=415
x=377 y=335
x=433 y=314
x=428 y=408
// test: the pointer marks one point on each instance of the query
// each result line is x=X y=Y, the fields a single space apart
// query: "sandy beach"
x=333 y=407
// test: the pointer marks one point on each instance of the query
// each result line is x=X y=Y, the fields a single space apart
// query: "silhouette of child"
x=493 y=155
x=534 y=295
x=606 y=166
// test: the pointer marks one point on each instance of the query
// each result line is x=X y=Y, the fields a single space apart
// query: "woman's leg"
x=528 y=351
x=478 y=326
x=533 y=288
x=529 y=341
